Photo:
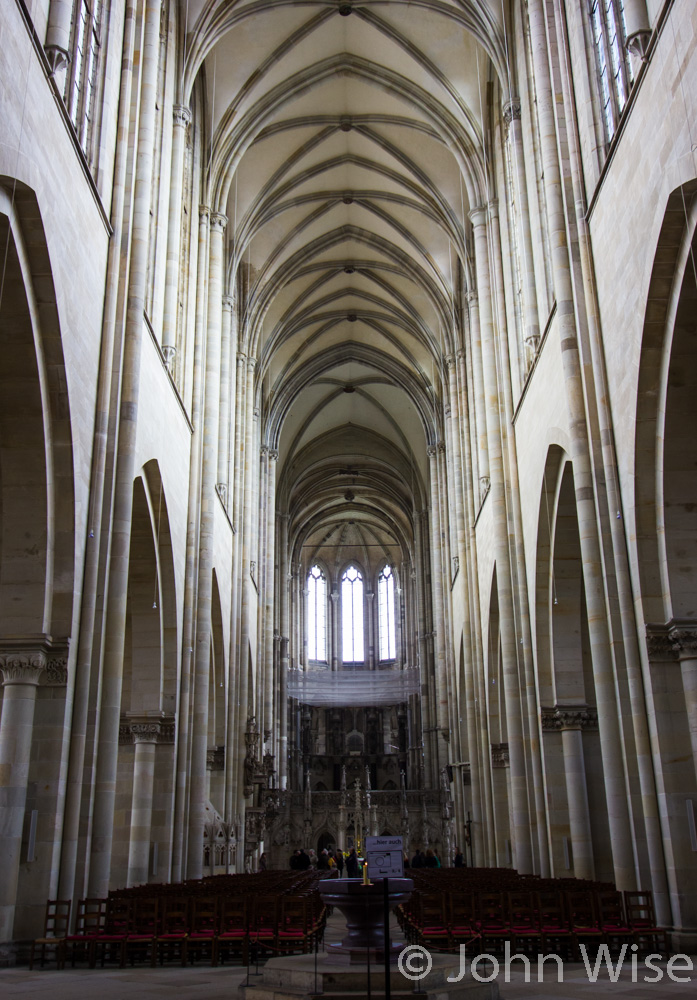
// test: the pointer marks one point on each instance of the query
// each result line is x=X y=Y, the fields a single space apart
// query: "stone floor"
x=224 y=983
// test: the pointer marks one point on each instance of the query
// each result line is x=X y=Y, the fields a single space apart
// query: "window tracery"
x=386 y=616
x=614 y=70
x=317 y=614
x=82 y=76
x=352 y=625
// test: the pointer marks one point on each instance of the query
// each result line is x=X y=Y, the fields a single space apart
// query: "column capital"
x=500 y=756
x=218 y=222
x=251 y=363
x=181 y=115
x=273 y=455
x=478 y=216
x=450 y=361
x=147 y=729
x=460 y=355
x=511 y=111
x=263 y=451
x=472 y=298
x=565 y=717
x=204 y=214
x=683 y=639
x=228 y=302
x=241 y=360
x=28 y=659
x=432 y=450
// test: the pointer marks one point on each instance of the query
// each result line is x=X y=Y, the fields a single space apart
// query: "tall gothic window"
x=386 y=626
x=352 y=616
x=317 y=615
x=609 y=36
x=81 y=79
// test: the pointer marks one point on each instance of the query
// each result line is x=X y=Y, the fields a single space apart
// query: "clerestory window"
x=614 y=69
x=386 y=620
x=353 y=650
x=316 y=615
x=82 y=76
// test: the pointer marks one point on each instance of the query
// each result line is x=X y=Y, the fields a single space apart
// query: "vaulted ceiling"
x=345 y=147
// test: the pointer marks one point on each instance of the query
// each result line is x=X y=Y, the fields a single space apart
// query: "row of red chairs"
x=181 y=927
x=533 y=920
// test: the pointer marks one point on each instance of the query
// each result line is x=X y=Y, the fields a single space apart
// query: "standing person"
x=323 y=860
x=339 y=858
x=352 y=864
x=295 y=861
x=430 y=861
x=418 y=860
x=303 y=861
x=262 y=862
x=459 y=858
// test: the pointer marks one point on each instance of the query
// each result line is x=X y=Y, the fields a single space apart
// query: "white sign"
x=385 y=857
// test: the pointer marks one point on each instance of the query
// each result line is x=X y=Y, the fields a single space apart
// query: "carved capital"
x=460 y=355
x=273 y=455
x=21 y=669
x=145 y=732
x=499 y=755
x=204 y=214
x=58 y=58
x=218 y=222
x=264 y=451
x=560 y=717
x=478 y=215
x=228 y=302
x=181 y=115
x=432 y=450
x=511 y=111
x=28 y=659
x=241 y=360
x=449 y=360
x=658 y=642
x=215 y=758
x=252 y=363
x=683 y=639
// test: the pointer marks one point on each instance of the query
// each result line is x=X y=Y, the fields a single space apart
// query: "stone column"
x=236 y=510
x=439 y=619
x=267 y=596
x=181 y=798
x=57 y=47
x=204 y=627
x=531 y=322
x=683 y=639
x=145 y=733
x=182 y=117
x=334 y=629
x=520 y=814
x=621 y=833
x=284 y=666
x=572 y=721
x=479 y=397
x=22 y=662
x=638 y=27
x=223 y=483
x=248 y=472
x=115 y=612
x=111 y=346
x=370 y=638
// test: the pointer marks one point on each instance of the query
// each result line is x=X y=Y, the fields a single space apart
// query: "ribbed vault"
x=345 y=148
